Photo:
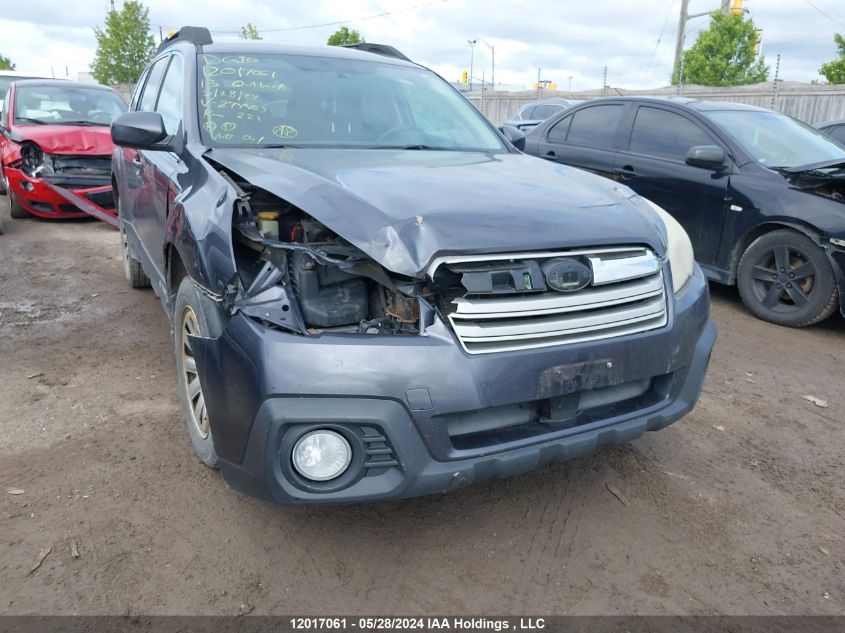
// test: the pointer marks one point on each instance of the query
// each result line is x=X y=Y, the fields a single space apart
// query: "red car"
x=55 y=149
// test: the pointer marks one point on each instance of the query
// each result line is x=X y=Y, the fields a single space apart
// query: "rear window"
x=543 y=112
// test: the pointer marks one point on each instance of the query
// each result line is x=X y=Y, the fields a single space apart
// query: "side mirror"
x=515 y=136
x=706 y=157
x=140 y=130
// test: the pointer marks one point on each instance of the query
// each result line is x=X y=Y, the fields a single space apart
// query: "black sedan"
x=759 y=193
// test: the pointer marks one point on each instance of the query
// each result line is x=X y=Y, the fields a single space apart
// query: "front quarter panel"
x=200 y=225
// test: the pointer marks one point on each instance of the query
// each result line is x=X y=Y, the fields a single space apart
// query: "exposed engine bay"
x=299 y=276
x=827 y=182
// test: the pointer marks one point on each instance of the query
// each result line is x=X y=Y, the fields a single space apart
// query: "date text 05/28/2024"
x=416 y=624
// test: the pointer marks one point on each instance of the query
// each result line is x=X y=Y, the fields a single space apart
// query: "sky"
x=568 y=41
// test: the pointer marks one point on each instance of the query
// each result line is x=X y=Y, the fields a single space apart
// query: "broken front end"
x=51 y=185
x=481 y=366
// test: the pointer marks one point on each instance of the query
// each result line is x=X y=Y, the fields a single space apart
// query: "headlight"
x=32 y=160
x=321 y=455
x=679 y=248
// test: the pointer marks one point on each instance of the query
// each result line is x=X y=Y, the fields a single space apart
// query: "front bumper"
x=392 y=396
x=41 y=198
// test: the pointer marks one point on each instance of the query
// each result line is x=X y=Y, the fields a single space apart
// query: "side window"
x=559 y=130
x=4 y=114
x=148 y=97
x=664 y=134
x=169 y=103
x=525 y=115
x=595 y=126
x=838 y=133
x=139 y=88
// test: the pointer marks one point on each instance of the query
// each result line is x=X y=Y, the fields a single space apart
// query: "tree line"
x=724 y=54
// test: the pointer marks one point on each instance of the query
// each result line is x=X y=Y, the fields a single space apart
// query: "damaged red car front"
x=55 y=149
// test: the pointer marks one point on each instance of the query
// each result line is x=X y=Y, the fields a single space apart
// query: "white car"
x=8 y=76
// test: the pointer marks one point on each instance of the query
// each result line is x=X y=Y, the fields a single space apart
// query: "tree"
x=124 y=46
x=724 y=54
x=343 y=37
x=250 y=32
x=834 y=71
x=6 y=63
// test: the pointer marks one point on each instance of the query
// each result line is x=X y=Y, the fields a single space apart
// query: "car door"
x=586 y=138
x=159 y=168
x=653 y=164
x=133 y=181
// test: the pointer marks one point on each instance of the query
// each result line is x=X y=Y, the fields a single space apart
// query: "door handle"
x=627 y=172
x=550 y=155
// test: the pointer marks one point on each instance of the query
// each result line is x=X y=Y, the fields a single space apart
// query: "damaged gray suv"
x=373 y=294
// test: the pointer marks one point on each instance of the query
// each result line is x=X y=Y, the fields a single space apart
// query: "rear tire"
x=132 y=269
x=196 y=315
x=785 y=278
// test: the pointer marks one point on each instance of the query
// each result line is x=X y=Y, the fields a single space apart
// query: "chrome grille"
x=627 y=295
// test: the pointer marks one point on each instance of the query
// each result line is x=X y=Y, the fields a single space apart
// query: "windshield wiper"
x=82 y=123
x=36 y=121
x=415 y=146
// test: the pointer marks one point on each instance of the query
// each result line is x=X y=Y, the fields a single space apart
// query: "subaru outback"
x=373 y=294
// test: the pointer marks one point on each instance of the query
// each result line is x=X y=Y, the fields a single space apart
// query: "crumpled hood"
x=93 y=140
x=404 y=208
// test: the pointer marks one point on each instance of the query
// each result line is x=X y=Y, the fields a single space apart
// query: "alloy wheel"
x=196 y=400
x=783 y=278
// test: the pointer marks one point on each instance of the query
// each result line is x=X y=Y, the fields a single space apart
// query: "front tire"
x=15 y=209
x=195 y=315
x=785 y=278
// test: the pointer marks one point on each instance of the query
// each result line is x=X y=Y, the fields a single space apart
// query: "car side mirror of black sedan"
x=706 y=157
x=140 y=130
x=516 y=137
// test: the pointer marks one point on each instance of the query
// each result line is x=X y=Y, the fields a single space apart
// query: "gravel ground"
x=737 y=509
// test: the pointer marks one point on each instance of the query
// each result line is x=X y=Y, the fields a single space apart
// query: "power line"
x=828 y=16
x=339 y=22
x=647 y=73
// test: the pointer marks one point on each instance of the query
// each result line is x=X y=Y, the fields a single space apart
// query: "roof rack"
x=196 y=35
x=378 y=49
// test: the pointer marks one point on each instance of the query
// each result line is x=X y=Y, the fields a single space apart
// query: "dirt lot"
x=737 y=509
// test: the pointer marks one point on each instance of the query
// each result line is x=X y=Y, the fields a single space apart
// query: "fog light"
x=321 y=455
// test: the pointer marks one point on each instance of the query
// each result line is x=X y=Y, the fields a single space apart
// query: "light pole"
x=492 y=62
x=570 y=83
x=679 y=42
x=471 y=60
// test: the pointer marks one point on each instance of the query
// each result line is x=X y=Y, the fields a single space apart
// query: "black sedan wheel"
x=785 y=278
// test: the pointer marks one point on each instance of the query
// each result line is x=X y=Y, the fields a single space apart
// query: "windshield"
x=72 y=105
x=300 y=101
x=776 y=140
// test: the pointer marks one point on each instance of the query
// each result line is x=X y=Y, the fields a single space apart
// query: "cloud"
x=635 y=41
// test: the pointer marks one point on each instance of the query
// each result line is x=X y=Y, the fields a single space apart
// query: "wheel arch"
x=759 y=230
